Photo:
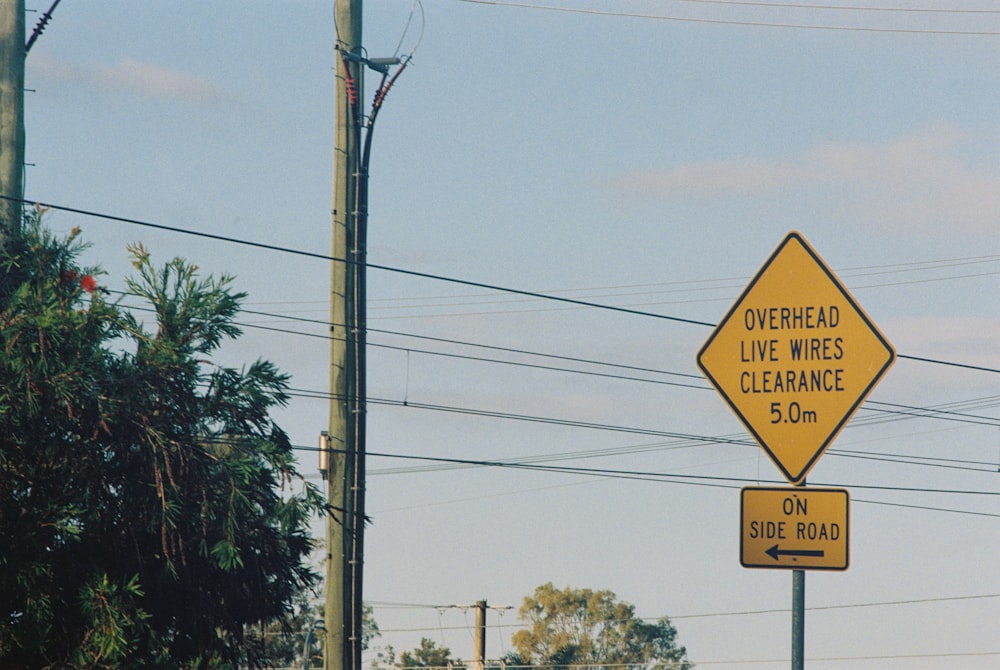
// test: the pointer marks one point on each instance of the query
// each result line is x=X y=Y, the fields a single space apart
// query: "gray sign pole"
x=798 y=619
x=799 y=616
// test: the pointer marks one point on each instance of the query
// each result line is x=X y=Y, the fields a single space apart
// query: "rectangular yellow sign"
x=796 y=528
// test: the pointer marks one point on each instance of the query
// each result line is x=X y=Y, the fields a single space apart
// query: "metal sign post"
x=794 y=358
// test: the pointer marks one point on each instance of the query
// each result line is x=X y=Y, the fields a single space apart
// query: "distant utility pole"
x=11 y=116
x=480 y=649
x=342 y=648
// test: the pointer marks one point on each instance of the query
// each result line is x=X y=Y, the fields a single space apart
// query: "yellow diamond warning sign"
x=795 y=357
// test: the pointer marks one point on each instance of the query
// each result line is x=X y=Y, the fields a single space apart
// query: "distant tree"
x=584 y=627
x=283 y=640
x=427 y=655
x=150 y=509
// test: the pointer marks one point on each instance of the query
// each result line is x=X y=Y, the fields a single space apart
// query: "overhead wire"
x=714 y=615
x=733 y=284
x=563 y=422
x=919 y=411
x=846 y=8
x=730 y=22
x=496 y=360
x=725 y=614
x=989 y=420
x=834 y=659
x=925 y=412
x=415 y=273
x=684 y=439
x=710 y=481
x=673 y=477
x=373 y=266
x=717 y=481
x=429 y=352
x=417 y=4
x=890 y=408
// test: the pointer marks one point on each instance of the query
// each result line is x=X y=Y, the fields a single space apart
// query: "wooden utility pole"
x=480 y=649
x=11 y=116
x=343 y=598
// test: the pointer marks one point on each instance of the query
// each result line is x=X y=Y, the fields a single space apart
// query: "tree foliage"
x=284 y=640
x=427 y=655
x=568 y=627
x=150 y=509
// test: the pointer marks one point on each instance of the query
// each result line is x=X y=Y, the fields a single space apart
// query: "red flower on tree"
x=88 y=283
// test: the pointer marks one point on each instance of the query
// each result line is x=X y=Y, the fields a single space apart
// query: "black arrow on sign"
x=775 y=553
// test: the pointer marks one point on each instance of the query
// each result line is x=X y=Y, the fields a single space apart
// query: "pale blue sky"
x=634 y=161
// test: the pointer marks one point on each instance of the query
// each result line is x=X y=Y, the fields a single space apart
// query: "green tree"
x=284 y=640
x=150 y=509
x=592 y=628
x=428 y=655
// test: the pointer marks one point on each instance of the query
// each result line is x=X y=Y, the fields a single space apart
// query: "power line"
x=422 y=275
x=927 y=412
x=663 y=477
x=727 y=22
x=698 y=663
x=914 y=411
x=490 y=299
x=569 y=422
x=722 y=614
x=554 y=356
x=846 y=8
x=824 y=608
x=847 y=659
x=925 y=507
x=928 y=461
x=512 y=350
x=917 y=412
x=692 y=440
x=714 y=615
x=484 y=359
x=921 y=359
x=373 y=266
x=685 y=286
x=474 y=358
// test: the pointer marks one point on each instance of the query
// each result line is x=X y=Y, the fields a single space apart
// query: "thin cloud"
x=915 y=182
x=713 y=178
x=132 y=77
x=157 y=82
x=967 y=339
